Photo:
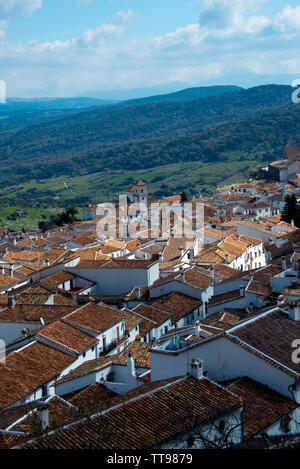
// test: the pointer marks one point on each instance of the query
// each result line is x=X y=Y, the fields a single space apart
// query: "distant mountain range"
x=50 y=104
x=136 y=93
x=212 y=124
x=183 y=96
x=41 y=104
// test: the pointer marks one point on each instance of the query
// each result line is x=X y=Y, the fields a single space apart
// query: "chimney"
x=138 y=293
x=242 y=291
x=283 y=264
x=191 y=254
x=14 y=242
x=280 y=299
x=181 y=251
x=196 y=368
x=226 y=258
x=47 y=263
x=182 y=276
x=251 y=278
x=212 y=273
x=11 y=270
x=294 y=312
x=43 y=415
x=130 y=365
x=293 y=222
x=197 y=327
x=11 y=300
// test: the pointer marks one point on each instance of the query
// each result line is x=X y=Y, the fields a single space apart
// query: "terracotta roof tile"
x=150 y=419
x=178 y=304
x=33 y=313
x=28 y=369
x=94 y=318
x=67 y=336
x=262 y=405
x=271 y=334
x=140 y=352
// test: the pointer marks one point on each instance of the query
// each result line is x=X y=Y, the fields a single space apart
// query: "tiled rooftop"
x=262 y=405
x=94 y=318
x=271 y=334
x=151 y=418
x=29 y=368
x=65 y=335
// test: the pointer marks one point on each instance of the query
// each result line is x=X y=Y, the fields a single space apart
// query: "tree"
x=291 y=210
x=184 y=197
x=220 y=430
x=69 y=216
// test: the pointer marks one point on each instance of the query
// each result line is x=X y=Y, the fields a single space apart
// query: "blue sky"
x=68 y=47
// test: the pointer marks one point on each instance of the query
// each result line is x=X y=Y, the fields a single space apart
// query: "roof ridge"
x=49 y=339
x=261 y=353
x=106 y=411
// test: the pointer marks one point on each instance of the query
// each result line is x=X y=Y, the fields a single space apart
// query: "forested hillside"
x=256 y=123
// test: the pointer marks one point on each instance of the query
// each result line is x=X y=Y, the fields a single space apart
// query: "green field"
x=11 y=219
x=196 y=177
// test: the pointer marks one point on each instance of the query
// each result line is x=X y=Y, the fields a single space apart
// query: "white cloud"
x=12 y=8
x=226 y=14
x=116 y=27
x=288 y=21
x=232 y=38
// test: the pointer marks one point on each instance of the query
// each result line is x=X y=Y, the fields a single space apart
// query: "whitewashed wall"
x=223 y=360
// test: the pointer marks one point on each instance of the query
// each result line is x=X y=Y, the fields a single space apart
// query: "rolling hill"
x=243 y=125
x=182 y=96
x=43 y=104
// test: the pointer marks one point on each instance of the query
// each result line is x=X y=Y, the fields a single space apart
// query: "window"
x=44 y=390
x=166 y=329
x=84 y=354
